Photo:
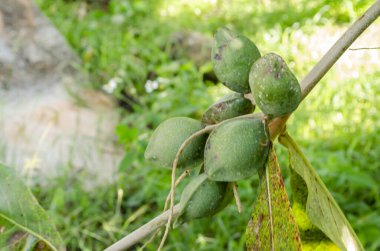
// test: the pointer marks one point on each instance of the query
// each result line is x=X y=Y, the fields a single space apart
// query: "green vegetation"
x=129 y=42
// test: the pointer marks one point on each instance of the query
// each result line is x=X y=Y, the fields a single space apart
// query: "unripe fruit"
x=168 y=138
x=274 y=87
x=203 y=198
x=232 y=56
x=230 y=106
x=236 y=149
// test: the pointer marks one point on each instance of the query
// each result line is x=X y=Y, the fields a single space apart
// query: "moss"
x=303 y=222
x=277 y=219
x=320 y=246
x=308 y=231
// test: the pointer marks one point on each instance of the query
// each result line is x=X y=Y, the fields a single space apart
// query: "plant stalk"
x=143 y=232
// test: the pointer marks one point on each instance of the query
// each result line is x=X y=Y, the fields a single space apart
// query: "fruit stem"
x=180 y=178
x=237 y=198
x=175 y=164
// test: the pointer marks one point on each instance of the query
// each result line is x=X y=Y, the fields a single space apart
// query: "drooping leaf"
x=321 y=208
x=272 y=226
x=312 y=237
x=18 y=207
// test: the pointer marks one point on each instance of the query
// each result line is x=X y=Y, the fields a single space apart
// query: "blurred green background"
x=139 y=45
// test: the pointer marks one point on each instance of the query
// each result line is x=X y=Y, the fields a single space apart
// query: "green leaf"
x=312 y=238
x=19 y=207
x=321 y=208
x=272 y=226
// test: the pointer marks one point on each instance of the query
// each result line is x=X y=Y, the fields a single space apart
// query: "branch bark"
x=276 y=126
x=143 y=232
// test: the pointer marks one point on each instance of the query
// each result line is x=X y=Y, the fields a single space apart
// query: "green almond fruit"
x=230 y=106
x=203 y=198
x=232 y=56
x=168 y=138
x=236 y=150
x=274 y=87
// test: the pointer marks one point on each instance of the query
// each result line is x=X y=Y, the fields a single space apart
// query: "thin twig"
x=175 y=164
x=237 y=198
x=275 y=127
x=364 y=48
x=180 y=178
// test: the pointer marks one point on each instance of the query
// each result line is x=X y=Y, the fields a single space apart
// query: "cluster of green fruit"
x=239 y=143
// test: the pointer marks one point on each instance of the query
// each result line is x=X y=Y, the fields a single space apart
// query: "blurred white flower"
x=110 y=86
x=151 y=85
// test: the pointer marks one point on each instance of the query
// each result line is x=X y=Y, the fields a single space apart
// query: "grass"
x=337 y=126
